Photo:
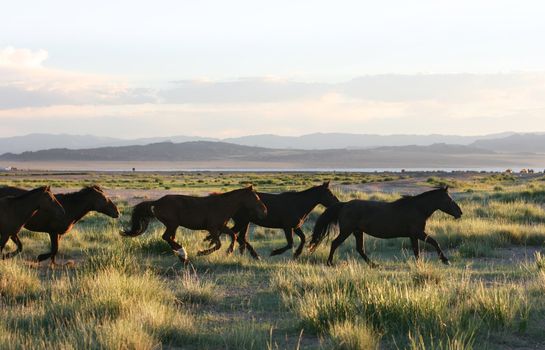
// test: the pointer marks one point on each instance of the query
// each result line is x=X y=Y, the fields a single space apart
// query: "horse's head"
x=447 y=205
x=101 y=203
x=327 y=198
x=48 y=203
x=253 y=203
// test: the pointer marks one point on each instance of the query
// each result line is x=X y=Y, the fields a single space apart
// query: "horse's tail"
x=321 y=229
x=142 y=214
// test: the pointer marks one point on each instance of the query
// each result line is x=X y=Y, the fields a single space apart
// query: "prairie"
x=132 y=293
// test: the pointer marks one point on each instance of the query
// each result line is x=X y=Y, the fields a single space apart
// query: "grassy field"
x=134 y=294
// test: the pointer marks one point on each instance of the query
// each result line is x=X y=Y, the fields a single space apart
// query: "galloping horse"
x=209 y=213
x=287 y=211
x=15 y=211
x=76 y=206
x=405 y=217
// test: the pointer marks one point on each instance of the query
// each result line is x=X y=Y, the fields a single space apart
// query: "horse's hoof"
x=330 y=264
x=256 y=257
x=446 y=262
x=183 y=260
x=374 y=265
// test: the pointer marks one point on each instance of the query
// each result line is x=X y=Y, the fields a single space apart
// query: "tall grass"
x=407 y=308
x=134 y=294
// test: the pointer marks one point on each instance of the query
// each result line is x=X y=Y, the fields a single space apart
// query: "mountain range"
x=498 y=151
x=213 y=154
x=510 y=142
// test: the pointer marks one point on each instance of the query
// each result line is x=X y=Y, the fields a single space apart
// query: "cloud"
x=33 y=95
x=26 y=82
x=10 y=56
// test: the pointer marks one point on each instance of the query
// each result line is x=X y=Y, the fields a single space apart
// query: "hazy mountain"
x=36 y=142
x=346 y=140
x=517 y=143
x=221 y=154
x=164 y=151
x=504 y=142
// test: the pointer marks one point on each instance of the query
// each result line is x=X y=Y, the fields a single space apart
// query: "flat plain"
x=133 y=293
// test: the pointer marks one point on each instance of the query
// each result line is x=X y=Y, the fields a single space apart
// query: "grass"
x=134 y=294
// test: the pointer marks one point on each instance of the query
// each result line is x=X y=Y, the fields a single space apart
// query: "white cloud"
x=13 y=57
x=420 y=103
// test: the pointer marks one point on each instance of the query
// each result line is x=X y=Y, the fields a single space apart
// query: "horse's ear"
x=251 y=187
x=326 y=184
x=47 y=188
x=446 y=188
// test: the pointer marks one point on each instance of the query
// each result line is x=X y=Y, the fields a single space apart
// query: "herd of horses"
x=42 y=211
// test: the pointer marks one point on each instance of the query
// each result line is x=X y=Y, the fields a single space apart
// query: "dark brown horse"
x=287 y=211
x=76 y=206
x=405 y=217
x=209 y=213
x=15 y=211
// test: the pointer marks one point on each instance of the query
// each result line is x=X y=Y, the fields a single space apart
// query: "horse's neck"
x=25 y=208
x=426 y=206
x=227 y=203
x=76 y=207
x=306 y=201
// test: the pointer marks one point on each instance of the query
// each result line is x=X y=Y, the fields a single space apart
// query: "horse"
x=15 y=211
x=76 y=206
x=287 y=211
x=405 y=217
x=210 y=213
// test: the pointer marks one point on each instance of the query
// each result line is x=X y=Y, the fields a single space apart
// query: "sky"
x=231 y=68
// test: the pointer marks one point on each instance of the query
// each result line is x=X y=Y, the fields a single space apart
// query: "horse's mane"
x=409 y=198
x=212 y=194
x=82 y=192
x=310 y=189
x=31 y=192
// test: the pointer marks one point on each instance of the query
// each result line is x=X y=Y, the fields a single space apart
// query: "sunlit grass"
x=133 y=293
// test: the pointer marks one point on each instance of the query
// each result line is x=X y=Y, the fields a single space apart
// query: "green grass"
x=132 y=293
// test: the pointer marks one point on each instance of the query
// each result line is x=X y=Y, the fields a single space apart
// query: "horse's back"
x=380 y=219
x=11 y=191
x=180 y=202
x=283 y=210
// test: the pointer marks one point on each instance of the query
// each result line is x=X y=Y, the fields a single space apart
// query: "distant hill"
x=36 y=142
x=517 y=143
x=346 y=140
x=213 y=154
x=164 y=151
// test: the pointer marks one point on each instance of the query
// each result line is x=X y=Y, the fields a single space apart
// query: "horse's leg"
x=416 y=247
x=361 y=250
x=217 y=244
x=3 y=240
x=233 y=236
x=430 y=240
x=242 y=231
x=301 y=235
x=243 y=242
x=15 y=239
x=335 y=244
x=169 y=236
x=54 y=237
x=289 y=237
